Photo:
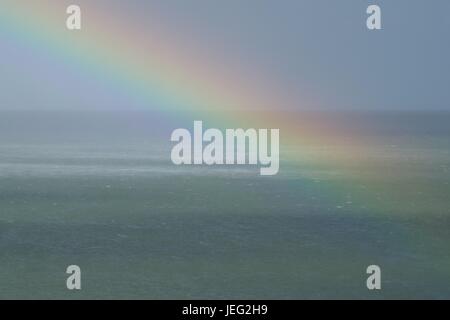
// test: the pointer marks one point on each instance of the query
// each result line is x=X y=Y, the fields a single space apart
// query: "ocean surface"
x=98 y=190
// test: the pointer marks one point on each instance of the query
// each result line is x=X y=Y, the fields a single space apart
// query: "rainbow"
x=169 y=76
x=162 y=74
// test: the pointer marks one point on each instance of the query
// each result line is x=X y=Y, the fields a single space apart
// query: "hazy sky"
x=318 y=50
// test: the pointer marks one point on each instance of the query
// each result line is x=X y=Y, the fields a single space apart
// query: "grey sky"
x=317 y=49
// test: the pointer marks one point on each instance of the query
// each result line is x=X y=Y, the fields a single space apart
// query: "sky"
x=316 y=53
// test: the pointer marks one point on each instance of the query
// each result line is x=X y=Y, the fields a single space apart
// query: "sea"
x=98 y=190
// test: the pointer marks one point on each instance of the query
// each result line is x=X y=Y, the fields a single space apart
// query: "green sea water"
x=140 y=227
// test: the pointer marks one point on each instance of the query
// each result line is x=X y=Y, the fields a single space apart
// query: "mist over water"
x=98 y=189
